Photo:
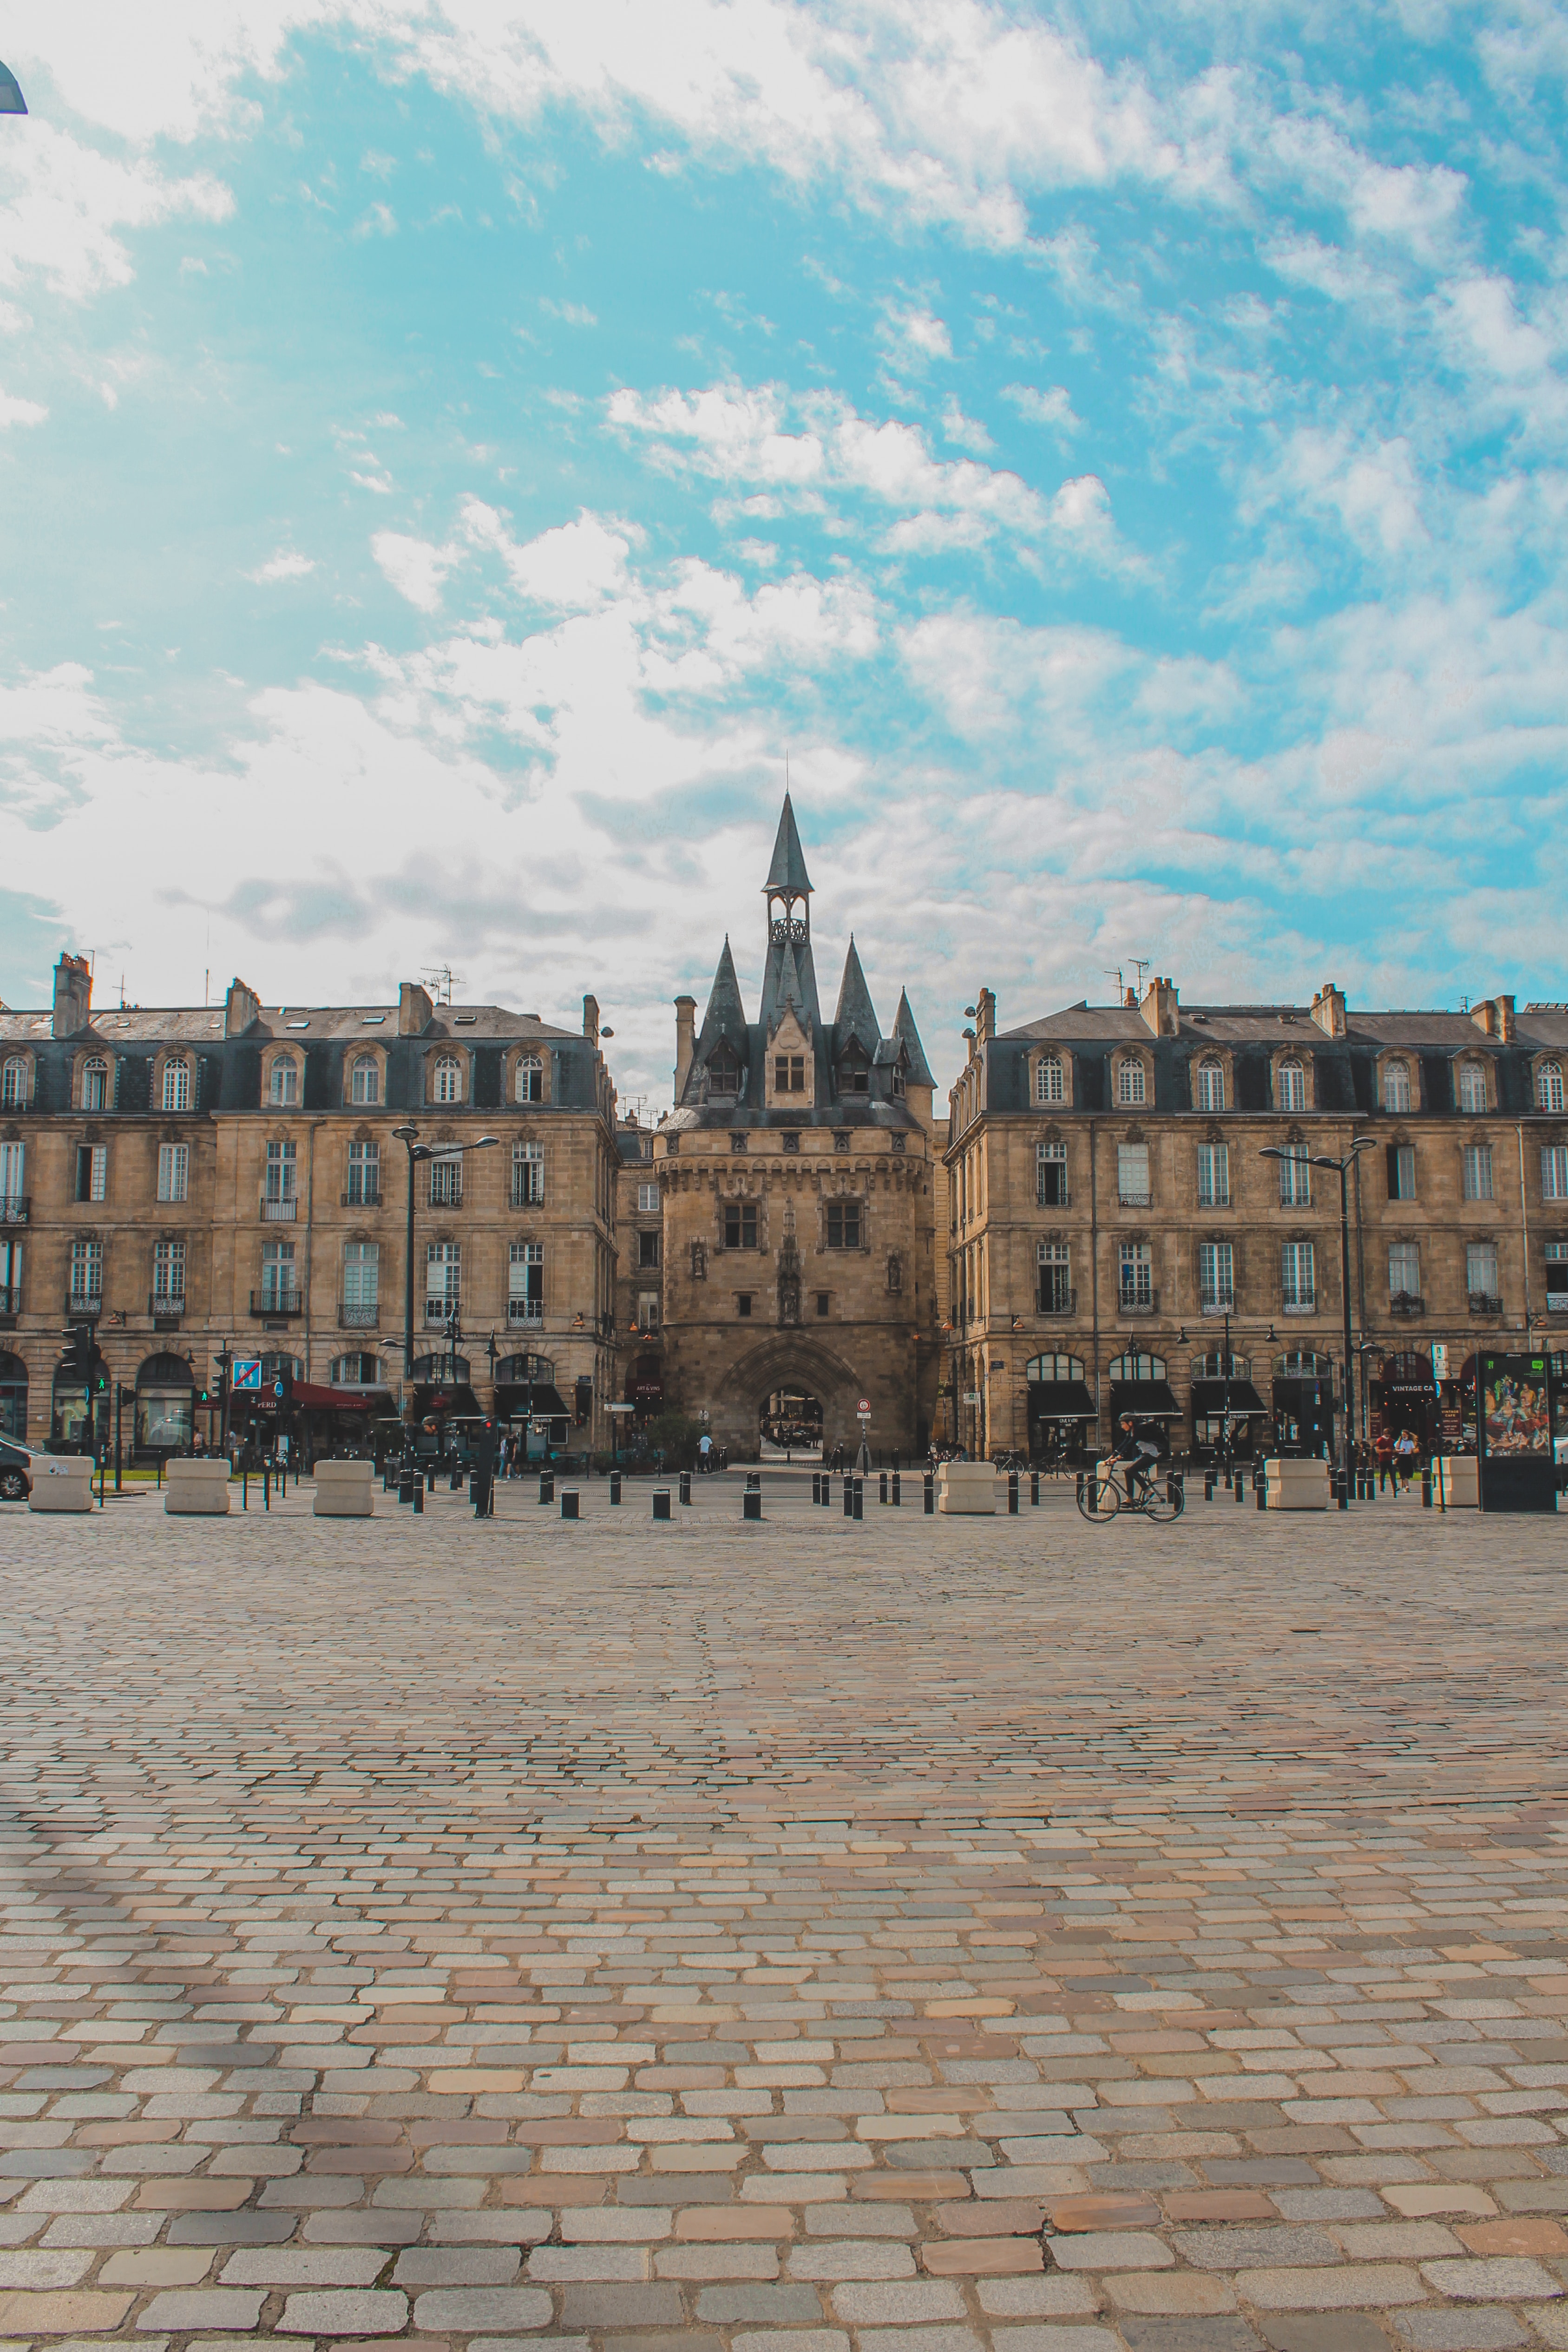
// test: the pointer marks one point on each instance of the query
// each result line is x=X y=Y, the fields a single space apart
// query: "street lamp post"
x=408 y=1135
x=1342 y=1167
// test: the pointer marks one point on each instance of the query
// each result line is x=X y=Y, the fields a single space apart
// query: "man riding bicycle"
x=1140 y=1454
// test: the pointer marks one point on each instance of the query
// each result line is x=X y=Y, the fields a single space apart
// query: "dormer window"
x=898 y=1078
x=14 y=1084
x=176 y=1085
x=854 y=1075
x=1472 y=1087
x=1211 y=1086
x=1396 y=1087
x=1549 y=1086
x=448 y=1086
x=284 y=1080
x=95 y=1084
x=1291 y=1087
x=1130 y=1081
x=789 y=1074
x=723 y=1073
x=365 y=1082
x=1048 y=1087
x=529 y=1086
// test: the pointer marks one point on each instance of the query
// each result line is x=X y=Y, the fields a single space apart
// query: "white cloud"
x=63 y=207
x=1052 y=407
x=284 y=566
x=14 y=410
x=573 y=569
x=413 y=566
x=965 y=432
x=379 y=220
x=572 y=314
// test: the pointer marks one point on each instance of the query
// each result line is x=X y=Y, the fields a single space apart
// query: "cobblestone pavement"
x=804 y=1938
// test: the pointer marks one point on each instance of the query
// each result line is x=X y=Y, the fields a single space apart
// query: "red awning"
x=327 y=1400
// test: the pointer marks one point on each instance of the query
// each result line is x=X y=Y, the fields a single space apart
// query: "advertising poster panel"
x=1514 y=1434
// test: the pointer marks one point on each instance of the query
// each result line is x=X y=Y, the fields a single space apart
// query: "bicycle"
x=1105 y=1493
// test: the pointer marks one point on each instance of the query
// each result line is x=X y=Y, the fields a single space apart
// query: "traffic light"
x=78 y=1364
x=98 y=1380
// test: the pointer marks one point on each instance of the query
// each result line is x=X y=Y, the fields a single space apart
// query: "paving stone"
x=1460 y=2331
x=344 y=2311
x=197 y=2307
x=1174 y=2292
x=1345 y=2332
x=467 y=2309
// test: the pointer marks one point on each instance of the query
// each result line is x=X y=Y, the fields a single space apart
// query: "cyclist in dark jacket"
x=1139 y=1456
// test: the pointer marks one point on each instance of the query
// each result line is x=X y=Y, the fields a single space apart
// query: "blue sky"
x=450 y=456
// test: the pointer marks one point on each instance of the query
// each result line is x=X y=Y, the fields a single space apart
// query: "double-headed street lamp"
x=1326 y=1160
x=417 y=1151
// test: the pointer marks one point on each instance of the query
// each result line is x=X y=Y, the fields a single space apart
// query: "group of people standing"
x=1396 y=1460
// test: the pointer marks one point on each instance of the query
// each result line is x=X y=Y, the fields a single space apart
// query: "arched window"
x=1048 y=1087
x=176 y=1085
x=1211 y=1086
x=1054 y=1368
x=13 y=1083
x=530 y=1078
x=1549 y=1086
x=285 y=1079
x=449 y=1079
x=364 y=1079
x=1396 y=1087
x=1291 y=1087
x=1137 y=1367
x=95 y=1084
x=1472 y=1087
x=1130 y=1081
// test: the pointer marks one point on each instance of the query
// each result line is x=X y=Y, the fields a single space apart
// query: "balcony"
x=14 y=1208
x=365 y=1199
x=10 y=1306
x=165 y=1309
x=525 y=1310
x=1135 y=1200
x=279 y=1213
x=1057 y=1302
x=439 y=1312
x=358 y=1318
x=1217 y=1306
x=277 y=1302
x=1557 y=1302
x=1062 y=1200
x=1130 y=1302
x=1299 y=1307
x=1481 y=1302
x=528 y=1196
x=1406 y=1302
x=85 y=1310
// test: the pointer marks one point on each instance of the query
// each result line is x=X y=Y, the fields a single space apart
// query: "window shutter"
x=1393 y=1171
x=114 y=1085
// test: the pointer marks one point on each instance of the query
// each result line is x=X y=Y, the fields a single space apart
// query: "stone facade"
x=1109 y=1201
x=796 y=1175
x=188 y=1178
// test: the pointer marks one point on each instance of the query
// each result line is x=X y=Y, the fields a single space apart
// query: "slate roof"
x=788 y=872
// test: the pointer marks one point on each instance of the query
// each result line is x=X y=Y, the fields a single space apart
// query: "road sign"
x=247 y=1372
x=620 y=1408
x=863 y=1405
x=276 y=1388
x=971 y=1396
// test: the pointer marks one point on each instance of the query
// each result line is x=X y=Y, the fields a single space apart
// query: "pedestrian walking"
x=1405 y=1451
x=1383 y=1454
x=704 y=1455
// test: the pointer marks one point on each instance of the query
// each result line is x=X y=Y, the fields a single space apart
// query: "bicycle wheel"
x=1100 y=1500
x=1160 y=1507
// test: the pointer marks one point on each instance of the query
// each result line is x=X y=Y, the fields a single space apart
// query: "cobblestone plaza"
x=808 y=1936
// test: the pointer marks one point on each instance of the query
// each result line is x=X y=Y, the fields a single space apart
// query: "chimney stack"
x=73 y=995
x=241 y=1006
x=685 y=1042
x=1159 y=1007
x=1329 y=1010
x=984 y=1017
x=415 y=1010
x=591 y=1021
x=1493 y=1016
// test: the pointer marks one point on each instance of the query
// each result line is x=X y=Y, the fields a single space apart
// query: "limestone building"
x=797 y=1182
x=1110 y=1206
x=185 y=1179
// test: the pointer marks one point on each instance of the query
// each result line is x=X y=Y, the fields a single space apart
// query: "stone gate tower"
x=796 y=1180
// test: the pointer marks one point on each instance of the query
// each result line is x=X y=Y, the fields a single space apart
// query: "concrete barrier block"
x=966 y=1487
x=1455 y=1482
x=61 y=1482
x=196 y=1488
x=344 y=1490
x=1297 y=1485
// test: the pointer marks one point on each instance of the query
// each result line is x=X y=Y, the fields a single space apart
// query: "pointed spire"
x=787 y=874
x=725 y=1015
x=856 y=1016
x=918 y=1073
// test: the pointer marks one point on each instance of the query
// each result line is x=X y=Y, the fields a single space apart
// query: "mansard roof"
x=787 y=873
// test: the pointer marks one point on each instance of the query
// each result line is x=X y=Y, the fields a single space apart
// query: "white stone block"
x=344 y=1490
x=968 y=1486
x=61 y=1482
x=197 y=1486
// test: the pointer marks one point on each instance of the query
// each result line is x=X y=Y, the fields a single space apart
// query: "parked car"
x=15 y=1471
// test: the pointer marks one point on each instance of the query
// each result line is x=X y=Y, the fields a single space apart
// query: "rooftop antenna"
x=1140 y=965
x=1116 y=976
x=443 y=979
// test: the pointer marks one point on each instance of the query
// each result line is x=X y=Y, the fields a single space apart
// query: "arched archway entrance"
x=1404 y=1397
x=790 y=1363
x=790 y=1422
x=165 y=1406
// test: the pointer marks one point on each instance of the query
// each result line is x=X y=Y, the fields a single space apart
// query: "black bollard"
x=817 y=1486
x=1261 y=1491
x=1240 y=1487
x=1034 y=1485
x=1079 y=1494
x=684 y=1486
x=420 y=1495
x=406 y=1487
x=244 y=1490
x=457 y=1485
x=265 y=1485
x=1425 y=1485
x=897 y=1495
x=479 y=1496
x=547 y=1486
x=568 y=1504
x=614 y=1486
x=928 y=1504
x=1012 y=1494
x=827 y=1490
x=751 y=1503
x=849 y=1498
x=1208 y=1485
x=882 y=1490
x=859 y=1498
x=661 y=1502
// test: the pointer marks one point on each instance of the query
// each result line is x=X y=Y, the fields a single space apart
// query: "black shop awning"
x=1060 y=1401
x=1209 y=1396
x=545 y=1402
x=1150 y=1400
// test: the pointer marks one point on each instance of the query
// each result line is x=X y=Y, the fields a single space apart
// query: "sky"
x=454 y=457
